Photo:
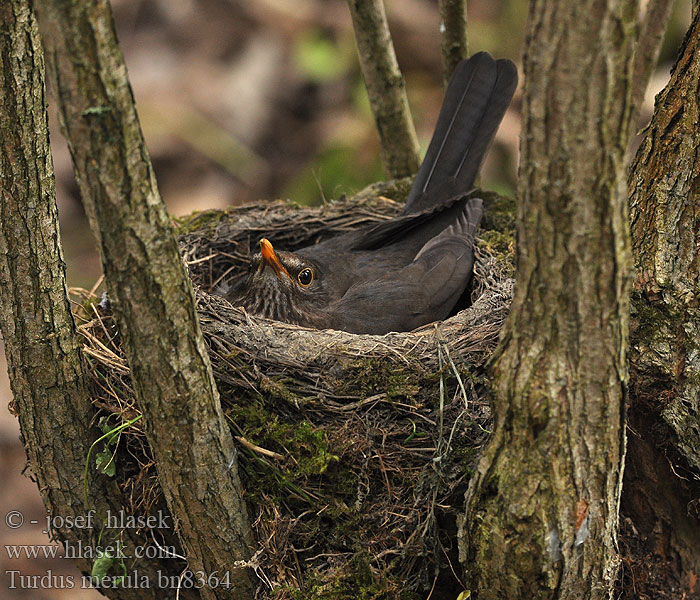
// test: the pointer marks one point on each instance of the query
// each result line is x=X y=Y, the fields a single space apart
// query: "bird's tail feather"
x=476 y=99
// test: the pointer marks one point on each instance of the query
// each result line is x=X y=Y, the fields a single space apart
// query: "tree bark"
x=152 y=297
x=386 y=88
x=453 y=35
x=542 y=507
x=665 y=335
x=45 y=365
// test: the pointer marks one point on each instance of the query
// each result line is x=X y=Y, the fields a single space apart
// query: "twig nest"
x=217 y=246
x=355 y=450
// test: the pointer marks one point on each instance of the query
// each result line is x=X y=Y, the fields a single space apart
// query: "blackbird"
x=412 y=269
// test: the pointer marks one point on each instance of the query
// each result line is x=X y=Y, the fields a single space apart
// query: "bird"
x=410 y=270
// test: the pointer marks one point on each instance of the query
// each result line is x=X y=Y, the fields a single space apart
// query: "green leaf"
x=103 y=564
x=105 y=463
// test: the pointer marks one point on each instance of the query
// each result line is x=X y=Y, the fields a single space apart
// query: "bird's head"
x=283 y=286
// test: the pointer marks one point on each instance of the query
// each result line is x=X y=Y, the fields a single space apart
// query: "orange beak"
x=269 y=258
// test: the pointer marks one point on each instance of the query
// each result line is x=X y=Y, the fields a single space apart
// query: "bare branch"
x=453 y=35
x=386 y=88
x=152 y=297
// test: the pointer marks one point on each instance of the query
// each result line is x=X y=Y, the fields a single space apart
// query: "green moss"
x=502 y=247
x=315 y=455
x=467 y=456
x=370 y=376
x=199 y=221
x=499 y=213
x=308 y=445
x=356 y=581
x=277 y=387
x=307 y=451
x=396 y=189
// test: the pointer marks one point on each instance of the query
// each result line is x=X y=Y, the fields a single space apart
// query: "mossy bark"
x=542 y=508
x=152 y=297
x=45 y=365
x=664 y=187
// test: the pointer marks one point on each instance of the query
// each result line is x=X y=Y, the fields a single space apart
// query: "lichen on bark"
x=665 y=327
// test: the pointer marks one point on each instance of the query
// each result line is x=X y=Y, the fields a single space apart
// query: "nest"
x=355 y=450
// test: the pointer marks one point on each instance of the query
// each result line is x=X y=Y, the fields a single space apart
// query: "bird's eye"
x=305 y=277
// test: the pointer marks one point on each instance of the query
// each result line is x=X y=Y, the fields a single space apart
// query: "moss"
x=369 y=376
x=278 y=387
x=356 y=581
x=308 y=445
x=499 y=213
x=467 y=457
x=396 y=189
x=315 y=454
x=306 y=448
x=199 y=221
x=502 y=247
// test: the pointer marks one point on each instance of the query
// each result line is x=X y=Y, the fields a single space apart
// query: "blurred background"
x=241 y=101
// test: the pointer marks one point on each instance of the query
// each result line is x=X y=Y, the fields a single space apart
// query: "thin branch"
x=453 y=35
x=651 y=37
x=386 y=88
x=150 y=293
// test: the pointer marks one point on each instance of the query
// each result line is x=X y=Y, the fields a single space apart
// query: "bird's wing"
x=387 y=232
x=476 y=99
x=424 y=291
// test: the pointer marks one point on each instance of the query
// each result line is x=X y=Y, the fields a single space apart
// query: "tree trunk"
x=646 y=55
x=661 y=488
x=44 y=361
x=542 y=508
x=152 y=296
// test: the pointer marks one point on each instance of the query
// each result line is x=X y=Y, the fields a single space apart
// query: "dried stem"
x=386 y=88
x=453 y=35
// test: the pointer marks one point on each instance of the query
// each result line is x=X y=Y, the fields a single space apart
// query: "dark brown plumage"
x=410 y=270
